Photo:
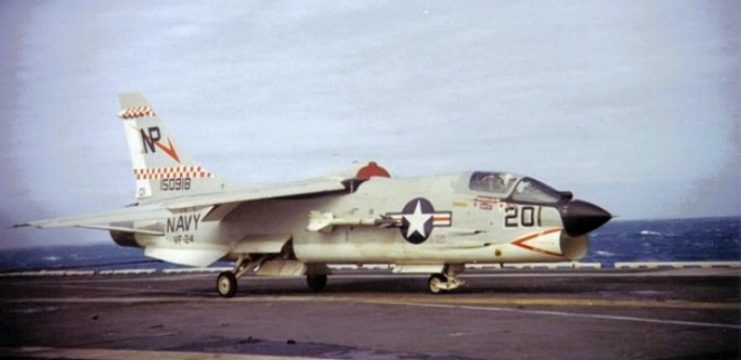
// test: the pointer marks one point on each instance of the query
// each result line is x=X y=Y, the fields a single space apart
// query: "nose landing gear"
x=447 y=281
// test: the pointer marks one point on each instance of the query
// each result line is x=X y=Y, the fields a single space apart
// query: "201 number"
x=525 y=216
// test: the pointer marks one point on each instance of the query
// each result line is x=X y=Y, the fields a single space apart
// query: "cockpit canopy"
x=493 y=182
x=516 y=188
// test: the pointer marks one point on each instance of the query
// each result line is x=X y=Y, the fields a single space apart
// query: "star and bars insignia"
x=418 y=218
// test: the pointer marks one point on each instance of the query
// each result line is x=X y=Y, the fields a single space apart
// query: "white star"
x=417 y=221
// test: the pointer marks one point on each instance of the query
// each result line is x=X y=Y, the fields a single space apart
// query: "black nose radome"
x=580 y=217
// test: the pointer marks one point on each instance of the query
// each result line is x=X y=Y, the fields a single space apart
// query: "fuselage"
x=435 y=225
x=459 y=218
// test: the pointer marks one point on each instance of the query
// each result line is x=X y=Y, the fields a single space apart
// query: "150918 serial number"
x=177 y=184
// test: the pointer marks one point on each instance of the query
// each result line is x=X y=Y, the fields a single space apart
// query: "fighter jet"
x=431 y=225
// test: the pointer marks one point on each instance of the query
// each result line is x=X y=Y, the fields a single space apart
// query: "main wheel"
x=435 y=283
x=226 y=284
x=316 y=282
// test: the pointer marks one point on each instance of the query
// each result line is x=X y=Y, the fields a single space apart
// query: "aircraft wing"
x=112 y=220
x=106 y=220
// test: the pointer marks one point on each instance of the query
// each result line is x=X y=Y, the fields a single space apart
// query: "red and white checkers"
x=179 y=172
x=137 y=112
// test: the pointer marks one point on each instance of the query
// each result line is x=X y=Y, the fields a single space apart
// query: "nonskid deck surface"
x=584 y=314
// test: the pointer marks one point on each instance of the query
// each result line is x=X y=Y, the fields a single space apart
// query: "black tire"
x=316 y=282
x=433 y=282
x=226 y=284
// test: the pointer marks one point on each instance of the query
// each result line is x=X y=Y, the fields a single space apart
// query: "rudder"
x=161 y=168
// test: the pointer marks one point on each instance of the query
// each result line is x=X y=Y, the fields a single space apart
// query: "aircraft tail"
x=161 y=168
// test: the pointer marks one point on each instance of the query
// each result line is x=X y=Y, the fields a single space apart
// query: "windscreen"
x=533 y=191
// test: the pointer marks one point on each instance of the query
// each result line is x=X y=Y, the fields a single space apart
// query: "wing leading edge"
x=112 y=220
x=109 y=220
x=308 y=188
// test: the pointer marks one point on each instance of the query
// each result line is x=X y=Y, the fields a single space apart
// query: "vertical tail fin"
x=161 y=168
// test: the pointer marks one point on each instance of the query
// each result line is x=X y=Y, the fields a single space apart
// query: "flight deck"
x=606 y=314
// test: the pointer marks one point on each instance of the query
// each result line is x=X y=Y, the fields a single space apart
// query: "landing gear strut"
x=447 y=281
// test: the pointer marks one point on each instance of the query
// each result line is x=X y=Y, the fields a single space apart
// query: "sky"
x=631 y=105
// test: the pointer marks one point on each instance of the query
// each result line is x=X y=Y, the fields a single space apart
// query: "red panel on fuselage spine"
x=372 y=169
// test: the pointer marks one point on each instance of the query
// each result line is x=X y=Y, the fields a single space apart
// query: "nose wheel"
x=436 y=283
x=447 y=281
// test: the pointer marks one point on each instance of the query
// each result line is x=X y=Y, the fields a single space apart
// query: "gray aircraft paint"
x=435 y=224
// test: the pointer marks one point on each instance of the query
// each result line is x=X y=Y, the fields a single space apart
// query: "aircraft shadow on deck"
x=392 y=286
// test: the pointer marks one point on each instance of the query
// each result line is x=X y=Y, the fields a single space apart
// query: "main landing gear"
x=447 y=281
x=226 y=282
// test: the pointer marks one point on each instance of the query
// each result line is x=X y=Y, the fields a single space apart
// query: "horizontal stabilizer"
x=104 y=219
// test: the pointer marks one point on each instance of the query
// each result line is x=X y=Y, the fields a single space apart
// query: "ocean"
x=702 y=239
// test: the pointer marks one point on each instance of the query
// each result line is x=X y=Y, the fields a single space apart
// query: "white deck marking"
x=117 y=354
x=375 y=300
x=583 y=315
